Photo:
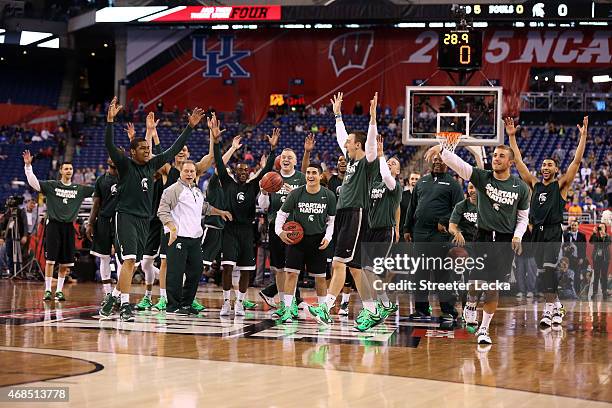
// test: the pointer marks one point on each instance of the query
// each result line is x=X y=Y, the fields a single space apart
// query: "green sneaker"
x=144 y=304
x=294 y=310
x=287 y=316
x=280 y=311
x=370 y=320
x=59 y=296
x=160 y=305
x=47 y=295
x=248 y=304
x=197 y=306
x=105 y=299
x=107 y=307
x=321 y=314
x=361 y=315
x=386 y=311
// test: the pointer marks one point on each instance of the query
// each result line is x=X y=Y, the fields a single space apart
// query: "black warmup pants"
x=183 y=257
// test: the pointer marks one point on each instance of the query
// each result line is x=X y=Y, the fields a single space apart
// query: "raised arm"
x=116 y=156
x=566 y=180
x=178 y=144
x=522 y=168
x=370 y=147
x=309 y=144
x=273 y=140
x=341 y=135
x=32 y=180
x=385 y=172
x=463 y=169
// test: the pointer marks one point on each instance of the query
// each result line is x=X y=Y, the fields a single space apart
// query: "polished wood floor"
x=164 y=360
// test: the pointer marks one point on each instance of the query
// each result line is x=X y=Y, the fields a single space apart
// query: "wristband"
x=338 y=116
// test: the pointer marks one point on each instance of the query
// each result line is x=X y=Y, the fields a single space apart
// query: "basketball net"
x=449 y=140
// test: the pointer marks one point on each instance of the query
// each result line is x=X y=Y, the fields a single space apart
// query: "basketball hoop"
x=449 y=140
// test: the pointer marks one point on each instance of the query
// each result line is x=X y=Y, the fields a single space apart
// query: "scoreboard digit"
x=460 y=50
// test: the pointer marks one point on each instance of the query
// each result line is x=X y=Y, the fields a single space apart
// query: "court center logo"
x=217 y=60
x=350 y=50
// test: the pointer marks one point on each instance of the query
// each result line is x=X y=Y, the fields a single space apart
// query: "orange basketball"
x=295 y=232
x=271 y=182
x=277 y=163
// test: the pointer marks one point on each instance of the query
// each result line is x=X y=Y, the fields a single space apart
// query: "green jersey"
x=465 y=215
x=64 y=201
x=277 y=199
x=383 y=204
x=240 y=198
x=215 y=196
x=499 y=200
x=136 y=180
x=106 y=189
x=355 y=190
x=310 y=210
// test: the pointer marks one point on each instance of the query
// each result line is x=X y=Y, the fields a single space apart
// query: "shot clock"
x=460 y=50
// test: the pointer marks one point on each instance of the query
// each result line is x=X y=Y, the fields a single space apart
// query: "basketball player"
x=134 y=206
x=546 y=215
x=64 y=199
x=100 y=225
x=241 y=196
x=383 y=228
x=314 y=208
x=352 y=215
x=272 y=202
x=503 y=213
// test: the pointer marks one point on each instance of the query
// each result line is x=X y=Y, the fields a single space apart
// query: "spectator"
x=559 y=153
x=585 y=172
x=601 y=259
x=565 y=277
x=323 y=110
x=78 y=177
x=574 y=248
x=598 y=197
x=399 y=112
x=314 y=128
x=609 y=191
x=575 y=209
x=358 y=109
x=590 y=208
x=299 y=128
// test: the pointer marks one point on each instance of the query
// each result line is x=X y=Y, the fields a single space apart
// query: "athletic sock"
x=330 y=300
x=558 y=304
x=227 y=295
x=321 y=299
x=116 y=292
x=107 y=288
x=105 y=269
x=240 y=296
x=486 y=319
x=48 y=282
x=549 y=307
x=147 y=267
x=281 y=296
x=148 y=293
x=346 y=297
x=370 y=305
x=162 y=292
x=384 y=299
x=288 y=299
x=125 y=298
x=60 y=283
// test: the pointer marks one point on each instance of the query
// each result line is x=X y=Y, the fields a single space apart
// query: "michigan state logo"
x=350 y=50
x=216 y=61
x=542 y=198
x=114 y=189
x=496 y=206
x=240 y=197
x=144 y=183
x=311 y=217
x=65 y=201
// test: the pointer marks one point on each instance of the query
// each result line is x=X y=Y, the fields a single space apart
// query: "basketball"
x=277 y=163
x=458 y=252
x=271 y=182
x=295 y=232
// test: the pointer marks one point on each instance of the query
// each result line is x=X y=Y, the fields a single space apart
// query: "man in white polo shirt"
x=180 y=211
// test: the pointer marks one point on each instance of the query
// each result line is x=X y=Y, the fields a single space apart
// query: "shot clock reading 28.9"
x=460 y=50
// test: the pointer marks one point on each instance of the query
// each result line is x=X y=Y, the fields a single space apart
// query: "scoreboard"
x=460 y=50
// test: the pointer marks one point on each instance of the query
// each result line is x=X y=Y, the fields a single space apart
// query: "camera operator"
x=14 y=228
x=601 y=259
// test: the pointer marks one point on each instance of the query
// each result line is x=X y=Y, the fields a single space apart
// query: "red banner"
x=218 y=13
x=357 y=62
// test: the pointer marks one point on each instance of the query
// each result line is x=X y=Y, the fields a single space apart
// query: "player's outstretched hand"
x=459 y=240
x=336 y=102
x=510 y=127
x=195 y=117
x=585 y=126
x=517 y=247
x=274 y=138
x=373 y=106
x=432 y=152
x=130 y=130
x=380 y=149
x=236 y=142
x=309 y=143
x=324 y=244
x=113 y=110
x=151 y=122
x=27 y=158
x=213 y=126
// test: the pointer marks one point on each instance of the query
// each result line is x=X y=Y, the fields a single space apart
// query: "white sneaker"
x=519 y=295
x=482 y=336
x=557 y=317
x=226 y=310
x=269 y=300
x=303 y=305
x=238 y=308
x=529 y=294
x=546 y=319
x=470 y=314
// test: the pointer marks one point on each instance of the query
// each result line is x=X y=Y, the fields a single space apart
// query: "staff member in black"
x=406 y=196
x=432 y=202
x=574 y=248
x=601 y=259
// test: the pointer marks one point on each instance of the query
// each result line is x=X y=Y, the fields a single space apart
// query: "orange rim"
x=450 y=136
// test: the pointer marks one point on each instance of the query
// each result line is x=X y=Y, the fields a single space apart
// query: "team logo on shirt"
x=240 y=197
x=113 y=189
x=471 y=217
x=311 y=217
x=542 y=198
x=144 y=184
x=377 y=193
x=501 y=196
x=312 y=208
x=65 y=201
x=496 y=206
x=351 y=167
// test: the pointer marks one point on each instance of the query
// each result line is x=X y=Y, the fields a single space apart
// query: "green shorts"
x=131 y=236
x=211 y=244
x=237 y=249
x=151 y=249
x=103 y=238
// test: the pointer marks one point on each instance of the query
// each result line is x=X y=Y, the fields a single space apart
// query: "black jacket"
x=580 y=242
